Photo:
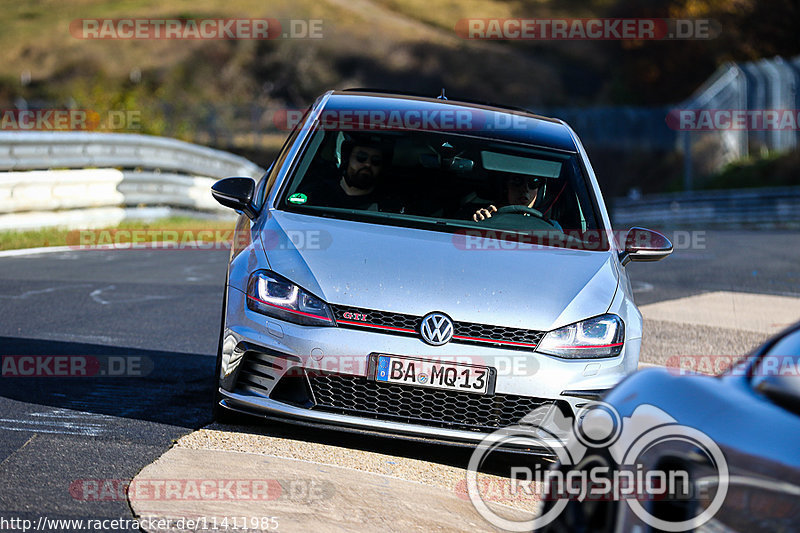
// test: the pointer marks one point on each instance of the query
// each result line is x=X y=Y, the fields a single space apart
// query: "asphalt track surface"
x=158 y=311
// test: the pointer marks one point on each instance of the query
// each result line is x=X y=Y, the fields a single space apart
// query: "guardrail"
x=50 y=176
x=773 y=208
x=46 y=150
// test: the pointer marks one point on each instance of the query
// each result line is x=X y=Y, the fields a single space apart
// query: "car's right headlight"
x=274 y=296
x=601 y=336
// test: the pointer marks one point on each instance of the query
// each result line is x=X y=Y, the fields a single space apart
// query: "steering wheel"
x=520 y=209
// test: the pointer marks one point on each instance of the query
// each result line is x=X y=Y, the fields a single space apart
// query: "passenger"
x=358 y=185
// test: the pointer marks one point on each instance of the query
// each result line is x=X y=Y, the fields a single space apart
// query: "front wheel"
x=221 y=414
x=587 y=516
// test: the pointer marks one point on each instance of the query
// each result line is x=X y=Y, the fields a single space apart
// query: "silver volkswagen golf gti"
x=425 y=268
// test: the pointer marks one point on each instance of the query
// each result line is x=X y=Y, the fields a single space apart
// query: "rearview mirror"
x=236 y=193
x=461 y=165
x=645 y=245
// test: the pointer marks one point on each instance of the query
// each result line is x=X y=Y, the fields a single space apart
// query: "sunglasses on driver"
x=375 y=160
x=531 y=183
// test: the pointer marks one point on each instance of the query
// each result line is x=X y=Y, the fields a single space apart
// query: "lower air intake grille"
x=416 y=405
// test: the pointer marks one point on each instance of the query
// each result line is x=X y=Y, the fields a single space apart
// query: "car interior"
x=448 y=177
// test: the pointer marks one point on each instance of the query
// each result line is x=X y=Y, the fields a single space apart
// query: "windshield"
x=446 y=182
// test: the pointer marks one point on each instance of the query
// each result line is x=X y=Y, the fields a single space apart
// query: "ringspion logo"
x=599 y=459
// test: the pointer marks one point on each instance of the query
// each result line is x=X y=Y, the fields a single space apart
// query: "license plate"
x=433 y=374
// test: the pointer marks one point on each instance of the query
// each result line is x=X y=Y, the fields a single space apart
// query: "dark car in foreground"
x=734 y=438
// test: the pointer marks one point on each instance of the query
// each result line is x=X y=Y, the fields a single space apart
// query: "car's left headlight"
x=601 y=336
x=271 y=295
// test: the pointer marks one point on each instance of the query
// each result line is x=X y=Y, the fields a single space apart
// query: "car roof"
x=483 y=120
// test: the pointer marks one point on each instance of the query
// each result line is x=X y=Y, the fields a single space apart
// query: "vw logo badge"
x=436 y=329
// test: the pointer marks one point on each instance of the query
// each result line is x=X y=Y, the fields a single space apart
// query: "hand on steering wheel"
x=484 y=213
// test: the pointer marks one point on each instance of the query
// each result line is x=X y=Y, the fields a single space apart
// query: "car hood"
x=413 y=271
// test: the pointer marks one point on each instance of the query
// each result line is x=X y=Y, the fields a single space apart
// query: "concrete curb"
x=299 y=495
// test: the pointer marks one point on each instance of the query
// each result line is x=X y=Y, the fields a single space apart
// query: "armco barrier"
x=773 y=208
x=47 y=150
x=50 y=176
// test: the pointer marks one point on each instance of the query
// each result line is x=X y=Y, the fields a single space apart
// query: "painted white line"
x=34 y=251
x=58 y=421
x=27 y=294
x=55 y=335
x=53 y=431
x=95 y=295
x=44 y=426
x=158 y=245
x=55 y=249
x=67 y=414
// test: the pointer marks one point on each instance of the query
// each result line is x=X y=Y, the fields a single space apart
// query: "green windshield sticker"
x=298 y=198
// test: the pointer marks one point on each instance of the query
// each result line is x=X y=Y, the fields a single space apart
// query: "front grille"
x=355 y=395
x=463 y=332
x=498 y=333
x=378 y=318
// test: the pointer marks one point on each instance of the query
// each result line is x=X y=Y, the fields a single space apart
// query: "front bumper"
x=273 y=409
x=279 y=348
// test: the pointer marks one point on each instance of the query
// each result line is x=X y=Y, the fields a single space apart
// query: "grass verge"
x=177 y=229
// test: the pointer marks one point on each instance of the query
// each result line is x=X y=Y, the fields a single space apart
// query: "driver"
x=518 y=189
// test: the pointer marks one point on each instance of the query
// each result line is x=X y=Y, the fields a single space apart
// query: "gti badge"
x=362 y=317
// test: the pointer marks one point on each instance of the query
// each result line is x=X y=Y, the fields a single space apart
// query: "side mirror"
x=781 y=384
x=777 y=373
x=645 y=245
x=236 y=193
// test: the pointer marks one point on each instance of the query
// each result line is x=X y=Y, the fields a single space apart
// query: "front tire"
x=586 y=516
x=221 y=414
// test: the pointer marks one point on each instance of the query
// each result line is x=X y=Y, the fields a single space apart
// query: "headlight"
x=273 y=296
x=601 y=336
